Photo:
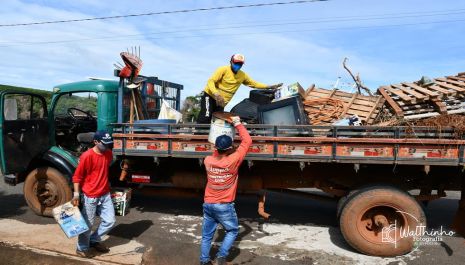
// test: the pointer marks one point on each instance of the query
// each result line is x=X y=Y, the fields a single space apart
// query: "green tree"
x=190 y=108
x=46 y=94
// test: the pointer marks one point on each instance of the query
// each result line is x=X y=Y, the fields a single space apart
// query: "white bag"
x=167 y=112
x=70 y=219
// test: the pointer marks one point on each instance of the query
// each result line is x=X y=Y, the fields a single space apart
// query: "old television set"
x=289 y=111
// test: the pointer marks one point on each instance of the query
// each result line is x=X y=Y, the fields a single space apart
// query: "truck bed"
x=302 y=143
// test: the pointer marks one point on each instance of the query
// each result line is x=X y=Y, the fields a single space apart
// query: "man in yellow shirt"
x=222 y=86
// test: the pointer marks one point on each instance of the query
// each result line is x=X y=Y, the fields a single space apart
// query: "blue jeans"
x=91 y=207
x=214 y=214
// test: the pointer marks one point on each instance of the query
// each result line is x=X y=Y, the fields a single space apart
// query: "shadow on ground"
x=12 y=205
x=284 y=209
x=123 y=233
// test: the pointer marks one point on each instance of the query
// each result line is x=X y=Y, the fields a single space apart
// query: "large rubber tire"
x=343 y=200
x=371 y=209
x=44 y=189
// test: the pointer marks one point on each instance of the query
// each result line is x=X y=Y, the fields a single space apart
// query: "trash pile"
x=427 y=102
x=424 y=98
x=454 y=121
x=325 y=107
x=145 y=100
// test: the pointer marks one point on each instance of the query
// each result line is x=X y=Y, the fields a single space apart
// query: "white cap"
x=238 y=58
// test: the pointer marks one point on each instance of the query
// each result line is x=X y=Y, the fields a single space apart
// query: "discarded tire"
x=374 y=221
x=44 y=189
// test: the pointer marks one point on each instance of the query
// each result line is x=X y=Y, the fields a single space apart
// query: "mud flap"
x=261 y=206
x=458 y=225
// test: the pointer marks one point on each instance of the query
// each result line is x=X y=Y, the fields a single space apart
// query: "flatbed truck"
x=371 y=171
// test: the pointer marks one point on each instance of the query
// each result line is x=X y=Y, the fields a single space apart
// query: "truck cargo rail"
x=304 y=143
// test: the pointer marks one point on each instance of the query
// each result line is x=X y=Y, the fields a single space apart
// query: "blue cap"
x=103 y=136
x=223 y=142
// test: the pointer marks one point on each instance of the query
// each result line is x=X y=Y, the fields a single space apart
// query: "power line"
x=242 y=25
x=321 y=29
x=162 y=13
x=260 y=33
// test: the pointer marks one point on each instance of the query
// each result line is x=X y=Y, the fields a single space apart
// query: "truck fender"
x=60 y=163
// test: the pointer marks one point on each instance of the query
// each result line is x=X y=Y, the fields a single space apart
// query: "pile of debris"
x=407 y=103
x=426 y=98
x=454 y=121
x=325 y=107
x=427 y=102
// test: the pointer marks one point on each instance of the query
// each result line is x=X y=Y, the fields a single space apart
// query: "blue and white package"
x=70 y=219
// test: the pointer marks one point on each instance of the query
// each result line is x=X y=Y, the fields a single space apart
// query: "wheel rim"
x=372 y=220
x=46 y=192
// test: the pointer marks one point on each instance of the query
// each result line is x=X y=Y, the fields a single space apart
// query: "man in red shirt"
x=222 y=177
x=91 y=178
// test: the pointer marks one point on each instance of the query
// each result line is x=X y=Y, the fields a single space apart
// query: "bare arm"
x=76 y=193
x=78 y=176
x=246 y=141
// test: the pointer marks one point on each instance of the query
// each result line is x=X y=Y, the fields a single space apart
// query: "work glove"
x=274 y=87
x=219 y=99
x=75 y=200
x=235 y=120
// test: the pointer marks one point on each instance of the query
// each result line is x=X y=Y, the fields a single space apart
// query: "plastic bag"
x=167 y=112
x=70 y=219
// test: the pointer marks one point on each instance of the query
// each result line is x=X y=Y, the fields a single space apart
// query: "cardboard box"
x=121 y=198
x=70 y=219
x=290 y=91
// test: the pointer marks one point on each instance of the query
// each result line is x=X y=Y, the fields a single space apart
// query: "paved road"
x=161 y=230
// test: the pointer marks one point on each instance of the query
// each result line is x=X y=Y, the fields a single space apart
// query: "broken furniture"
x=324 y=106
x=415 y=100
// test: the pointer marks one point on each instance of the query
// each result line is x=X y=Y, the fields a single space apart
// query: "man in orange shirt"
x=222 y=177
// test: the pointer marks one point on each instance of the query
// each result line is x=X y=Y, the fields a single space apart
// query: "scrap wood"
x=138 y=104
x=366 y=107
x=440 y=96
x=323 y=110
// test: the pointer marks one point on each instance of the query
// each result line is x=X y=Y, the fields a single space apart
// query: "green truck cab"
x=40 y=145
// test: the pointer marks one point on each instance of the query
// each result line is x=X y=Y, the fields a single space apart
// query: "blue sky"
x=385 y=41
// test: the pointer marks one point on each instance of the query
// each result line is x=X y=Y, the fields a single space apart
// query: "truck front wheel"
x=379 y=221
x=44 y=189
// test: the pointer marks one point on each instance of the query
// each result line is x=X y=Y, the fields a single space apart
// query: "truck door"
x=24 y=130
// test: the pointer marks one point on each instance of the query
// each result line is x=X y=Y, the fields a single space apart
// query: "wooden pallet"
x=365 y=107
x=413 y=99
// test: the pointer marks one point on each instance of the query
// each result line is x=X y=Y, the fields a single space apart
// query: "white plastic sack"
x=167 y=112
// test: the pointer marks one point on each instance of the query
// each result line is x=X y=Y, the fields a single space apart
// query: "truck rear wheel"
x=44 y=189
x=374 y=221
